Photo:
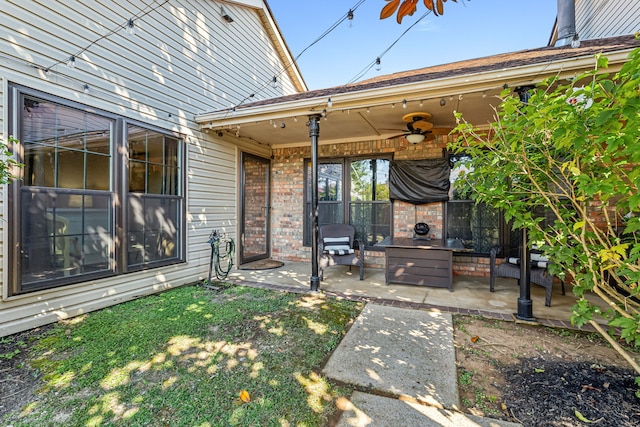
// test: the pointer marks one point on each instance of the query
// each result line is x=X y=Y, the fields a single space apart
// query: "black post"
x=314 y=132
x=525 y=305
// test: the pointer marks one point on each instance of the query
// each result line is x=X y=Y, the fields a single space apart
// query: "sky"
x=468 y=29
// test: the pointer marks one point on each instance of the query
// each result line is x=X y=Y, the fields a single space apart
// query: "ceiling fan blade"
x=397 y=136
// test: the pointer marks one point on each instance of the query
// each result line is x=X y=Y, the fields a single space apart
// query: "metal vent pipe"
x=566 y=21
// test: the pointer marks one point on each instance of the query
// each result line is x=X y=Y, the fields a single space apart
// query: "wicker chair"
x=539 y=276
x=336 y=246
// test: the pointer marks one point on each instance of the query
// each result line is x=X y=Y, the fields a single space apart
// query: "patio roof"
x=373 y=108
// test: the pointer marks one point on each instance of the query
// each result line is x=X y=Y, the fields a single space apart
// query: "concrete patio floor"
x=470 y=294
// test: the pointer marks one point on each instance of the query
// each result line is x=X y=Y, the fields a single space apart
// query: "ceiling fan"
x=419 y=128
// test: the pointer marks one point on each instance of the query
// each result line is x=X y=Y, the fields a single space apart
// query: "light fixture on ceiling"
x=225 y=15
x=415 y=138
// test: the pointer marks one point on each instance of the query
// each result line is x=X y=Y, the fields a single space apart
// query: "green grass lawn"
x=182 y=358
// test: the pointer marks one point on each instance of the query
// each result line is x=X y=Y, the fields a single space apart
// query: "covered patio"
x=369 y=122
x=470 y=294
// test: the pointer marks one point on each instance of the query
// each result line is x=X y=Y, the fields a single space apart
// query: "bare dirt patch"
x=543 y=377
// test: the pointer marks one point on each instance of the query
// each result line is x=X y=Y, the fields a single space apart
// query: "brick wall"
x=288 y=203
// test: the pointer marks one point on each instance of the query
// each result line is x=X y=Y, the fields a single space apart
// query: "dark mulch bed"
x=541 y=394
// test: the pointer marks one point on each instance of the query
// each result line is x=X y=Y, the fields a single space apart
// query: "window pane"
x=370 y=179
x=153 y=162
x=330 y=182
x=98 y=167
x=39 y=165
x=372 y=221
x=56 y=140
x=64 y=235
x=70 y=169
x=152 y=229
x=477 y=225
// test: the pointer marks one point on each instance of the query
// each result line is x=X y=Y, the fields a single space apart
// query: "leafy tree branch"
x=572 y=150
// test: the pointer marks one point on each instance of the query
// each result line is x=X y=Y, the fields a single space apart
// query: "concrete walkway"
x=402 y=361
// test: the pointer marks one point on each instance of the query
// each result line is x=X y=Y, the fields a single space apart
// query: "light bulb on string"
x=131 y=27
x=404 y=103
x=329 y=103
x=71 y=63
x=378 y=66
x=350 y=17
x=274 y=82
x=86 y=89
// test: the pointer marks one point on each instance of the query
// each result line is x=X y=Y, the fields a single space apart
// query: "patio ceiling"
x=373 y=109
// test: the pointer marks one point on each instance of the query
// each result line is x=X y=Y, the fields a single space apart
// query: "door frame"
x=267 y=162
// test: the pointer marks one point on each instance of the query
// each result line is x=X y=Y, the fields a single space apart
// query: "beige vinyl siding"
x=606 y=18
x=222 y=63
x=183 y=60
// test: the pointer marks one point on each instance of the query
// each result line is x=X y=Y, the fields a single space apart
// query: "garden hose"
x=222 y=249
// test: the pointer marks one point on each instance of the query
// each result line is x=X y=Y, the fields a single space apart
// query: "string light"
x=131 y=28
x=71 y=63
x=350 y=18
x=71 y=60
x=323 y=35
x=329 y=103
x=378 y=66
x=443 y=102
x=274 y=82
x=86 y=89
x=404 y=103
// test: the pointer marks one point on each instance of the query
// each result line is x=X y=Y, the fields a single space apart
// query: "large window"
x=355 y=191
x=478 y=226
x=85 y=175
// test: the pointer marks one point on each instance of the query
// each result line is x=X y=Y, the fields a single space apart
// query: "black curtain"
x=419 y=181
